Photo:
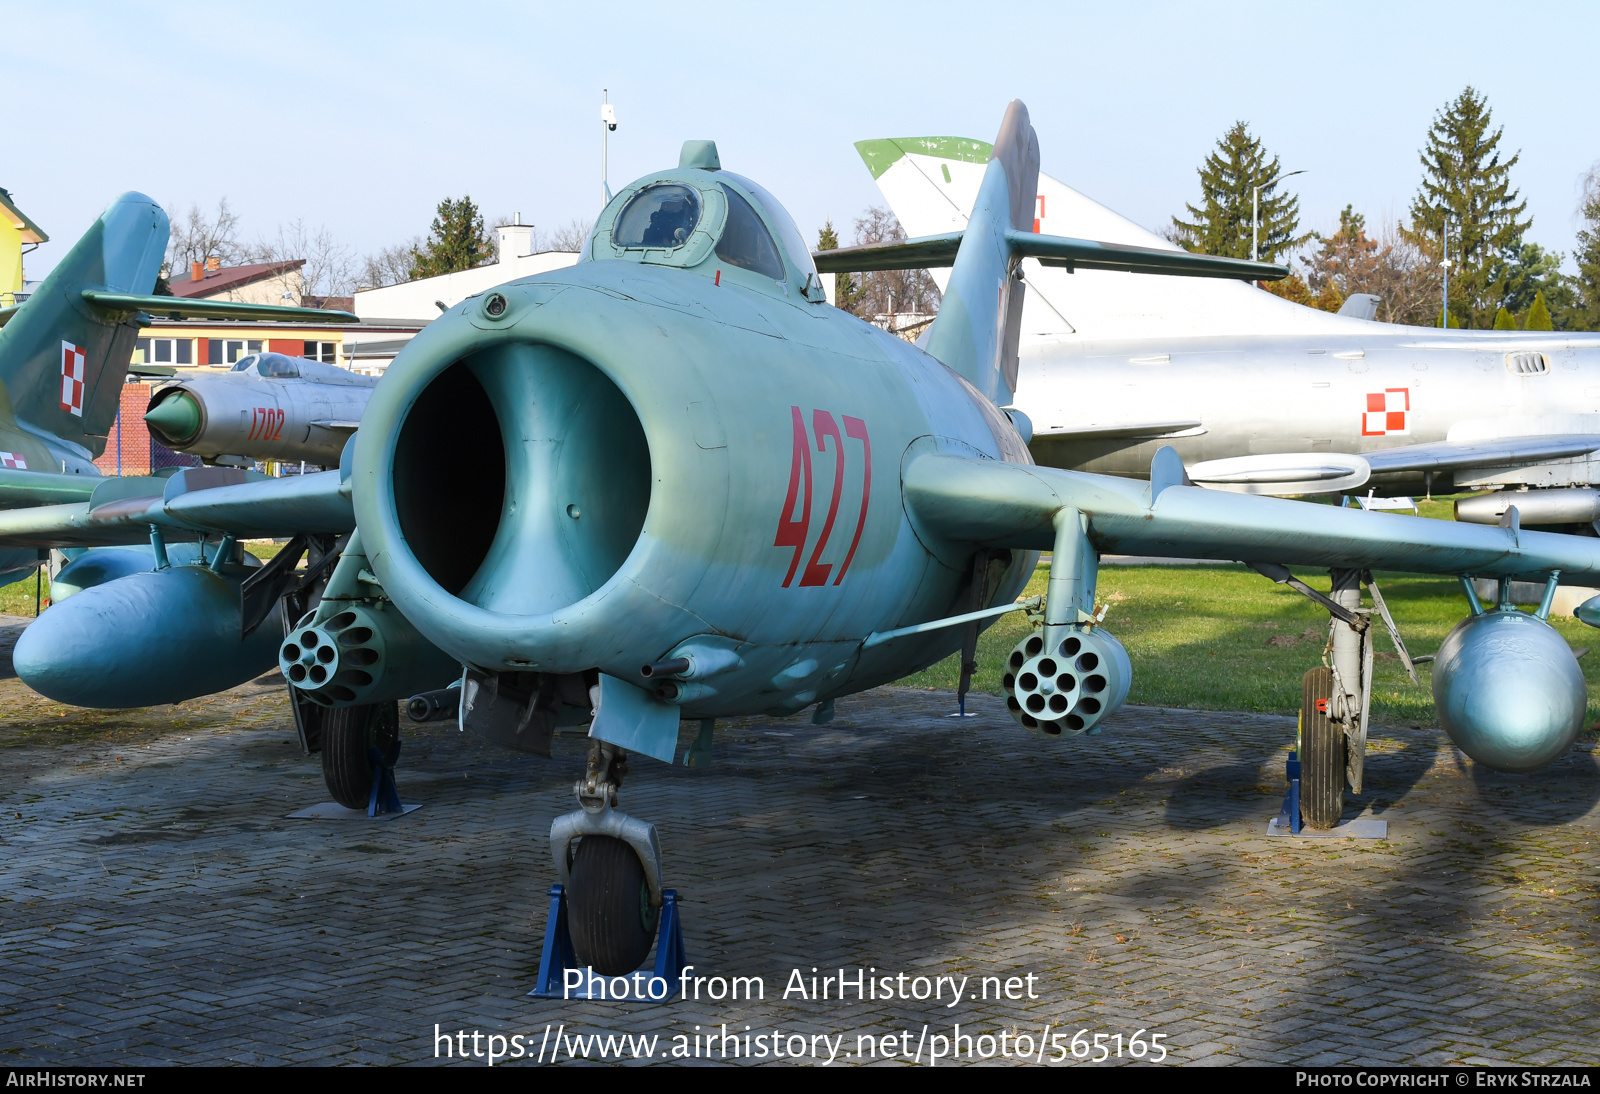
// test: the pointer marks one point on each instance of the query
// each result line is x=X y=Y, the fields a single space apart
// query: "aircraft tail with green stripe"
x=980 y=317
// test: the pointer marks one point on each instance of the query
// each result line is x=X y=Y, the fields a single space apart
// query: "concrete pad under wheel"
x=335 y=811
x=1360 y=828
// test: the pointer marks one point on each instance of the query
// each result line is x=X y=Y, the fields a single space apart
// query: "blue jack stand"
x=638 y=987
x=385 y=795
x=1289 y=815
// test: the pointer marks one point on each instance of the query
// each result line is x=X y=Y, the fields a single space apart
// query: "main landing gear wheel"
x=347 y=733
x=1322 y=752
x=608 y=904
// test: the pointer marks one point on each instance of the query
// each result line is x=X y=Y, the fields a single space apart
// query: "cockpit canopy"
x=700 y=215
x=277 y=366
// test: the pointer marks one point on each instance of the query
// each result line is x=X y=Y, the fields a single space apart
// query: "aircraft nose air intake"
x=176 y=418
x=520 y=481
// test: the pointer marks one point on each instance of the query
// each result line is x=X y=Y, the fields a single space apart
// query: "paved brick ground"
x=155 y=905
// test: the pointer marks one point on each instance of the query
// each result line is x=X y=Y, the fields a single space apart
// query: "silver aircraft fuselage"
x=1376 y=388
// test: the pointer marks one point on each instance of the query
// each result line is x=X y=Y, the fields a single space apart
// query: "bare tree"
x=571 y=236
x=389 y=266
x=330 y=266
x=197 y=236
x=887 y=292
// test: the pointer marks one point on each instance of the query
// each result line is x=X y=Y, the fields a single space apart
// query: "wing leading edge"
x=987 y=503
x=195 y=502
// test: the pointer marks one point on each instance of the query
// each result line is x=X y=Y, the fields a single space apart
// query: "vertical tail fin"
x=62 y=360
x=980 y=318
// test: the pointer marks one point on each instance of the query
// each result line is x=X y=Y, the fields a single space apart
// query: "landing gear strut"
x=610 y=867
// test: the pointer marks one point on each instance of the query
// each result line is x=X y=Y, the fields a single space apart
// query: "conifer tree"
x=1467 y=187
x=1584 y=313
x=1220 y=225
x=1503 y=320
x=456 y=241
x=1538 y=315
x=846 y=293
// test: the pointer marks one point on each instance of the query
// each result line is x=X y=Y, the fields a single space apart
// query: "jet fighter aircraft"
x=268 y=407
x=687 y=488
x=1256 y=393
x=63 y=355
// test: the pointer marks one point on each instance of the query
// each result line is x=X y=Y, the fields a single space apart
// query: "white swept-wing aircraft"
x=1259 y=394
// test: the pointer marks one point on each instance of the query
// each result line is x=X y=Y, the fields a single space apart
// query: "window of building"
x=163 y=351
x=227 y=351
x=326 y=352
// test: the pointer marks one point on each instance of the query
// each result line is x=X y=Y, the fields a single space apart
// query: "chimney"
x=214 y=263
x=197 y=271
x=516 y=240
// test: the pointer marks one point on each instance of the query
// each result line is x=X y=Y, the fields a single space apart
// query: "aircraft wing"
x=1094 y=431
x=1085 y=254
x=1498 y=452
x=196 y=501
x=177 y=307
x=994 y=504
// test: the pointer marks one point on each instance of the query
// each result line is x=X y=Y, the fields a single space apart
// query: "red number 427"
x=793 y=531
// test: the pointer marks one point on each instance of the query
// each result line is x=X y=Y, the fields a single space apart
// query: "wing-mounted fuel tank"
x=1508 y=689
x=159 y=635
x=356 y=648
x=270 y=407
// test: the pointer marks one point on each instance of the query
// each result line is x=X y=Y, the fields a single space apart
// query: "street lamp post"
x=1255 y=213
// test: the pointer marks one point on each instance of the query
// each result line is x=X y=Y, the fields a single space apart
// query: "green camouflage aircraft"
x=670 y=482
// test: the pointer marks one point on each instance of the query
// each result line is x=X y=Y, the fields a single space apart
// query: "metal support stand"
x=1289 y=815
x=385 y=796
x=559 y=956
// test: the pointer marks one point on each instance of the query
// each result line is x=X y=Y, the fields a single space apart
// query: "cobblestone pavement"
x=155 y=905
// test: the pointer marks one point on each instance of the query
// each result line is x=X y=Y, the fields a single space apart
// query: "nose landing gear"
x=610 y=902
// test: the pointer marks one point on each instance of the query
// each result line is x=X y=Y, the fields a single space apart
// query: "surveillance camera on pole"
x=608 y=125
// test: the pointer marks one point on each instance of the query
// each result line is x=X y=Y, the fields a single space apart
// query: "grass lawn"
x=1226 y=638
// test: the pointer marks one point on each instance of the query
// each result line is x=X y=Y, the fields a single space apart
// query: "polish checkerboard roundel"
x=1388 y=413
x=74 y=364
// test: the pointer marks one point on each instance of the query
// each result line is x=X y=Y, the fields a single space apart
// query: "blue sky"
x=360 y=117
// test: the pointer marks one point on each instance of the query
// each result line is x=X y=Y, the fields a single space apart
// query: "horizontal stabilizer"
x=177 y=307
x=1064 y=251
x=20 y=488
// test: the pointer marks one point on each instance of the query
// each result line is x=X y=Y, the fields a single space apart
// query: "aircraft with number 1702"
x=683 y=487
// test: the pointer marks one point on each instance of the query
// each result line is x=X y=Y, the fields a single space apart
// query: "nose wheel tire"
x=347 y=733
x=1322 y=752
x=608 y=902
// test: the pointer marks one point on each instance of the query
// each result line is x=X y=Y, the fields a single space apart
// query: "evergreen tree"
x=456 y=241
x=1467 y=187
x=1584 y=312
x=846 y=293
x=1538 y=315
x=1220 y=225
x=1503 y=320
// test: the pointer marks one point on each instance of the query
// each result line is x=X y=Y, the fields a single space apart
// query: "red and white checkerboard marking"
x=1388 y=413
x=74 y=362
x=12 y=460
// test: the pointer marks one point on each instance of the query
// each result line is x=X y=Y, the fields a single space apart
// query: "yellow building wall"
x=241 y=332
x=10 y=263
